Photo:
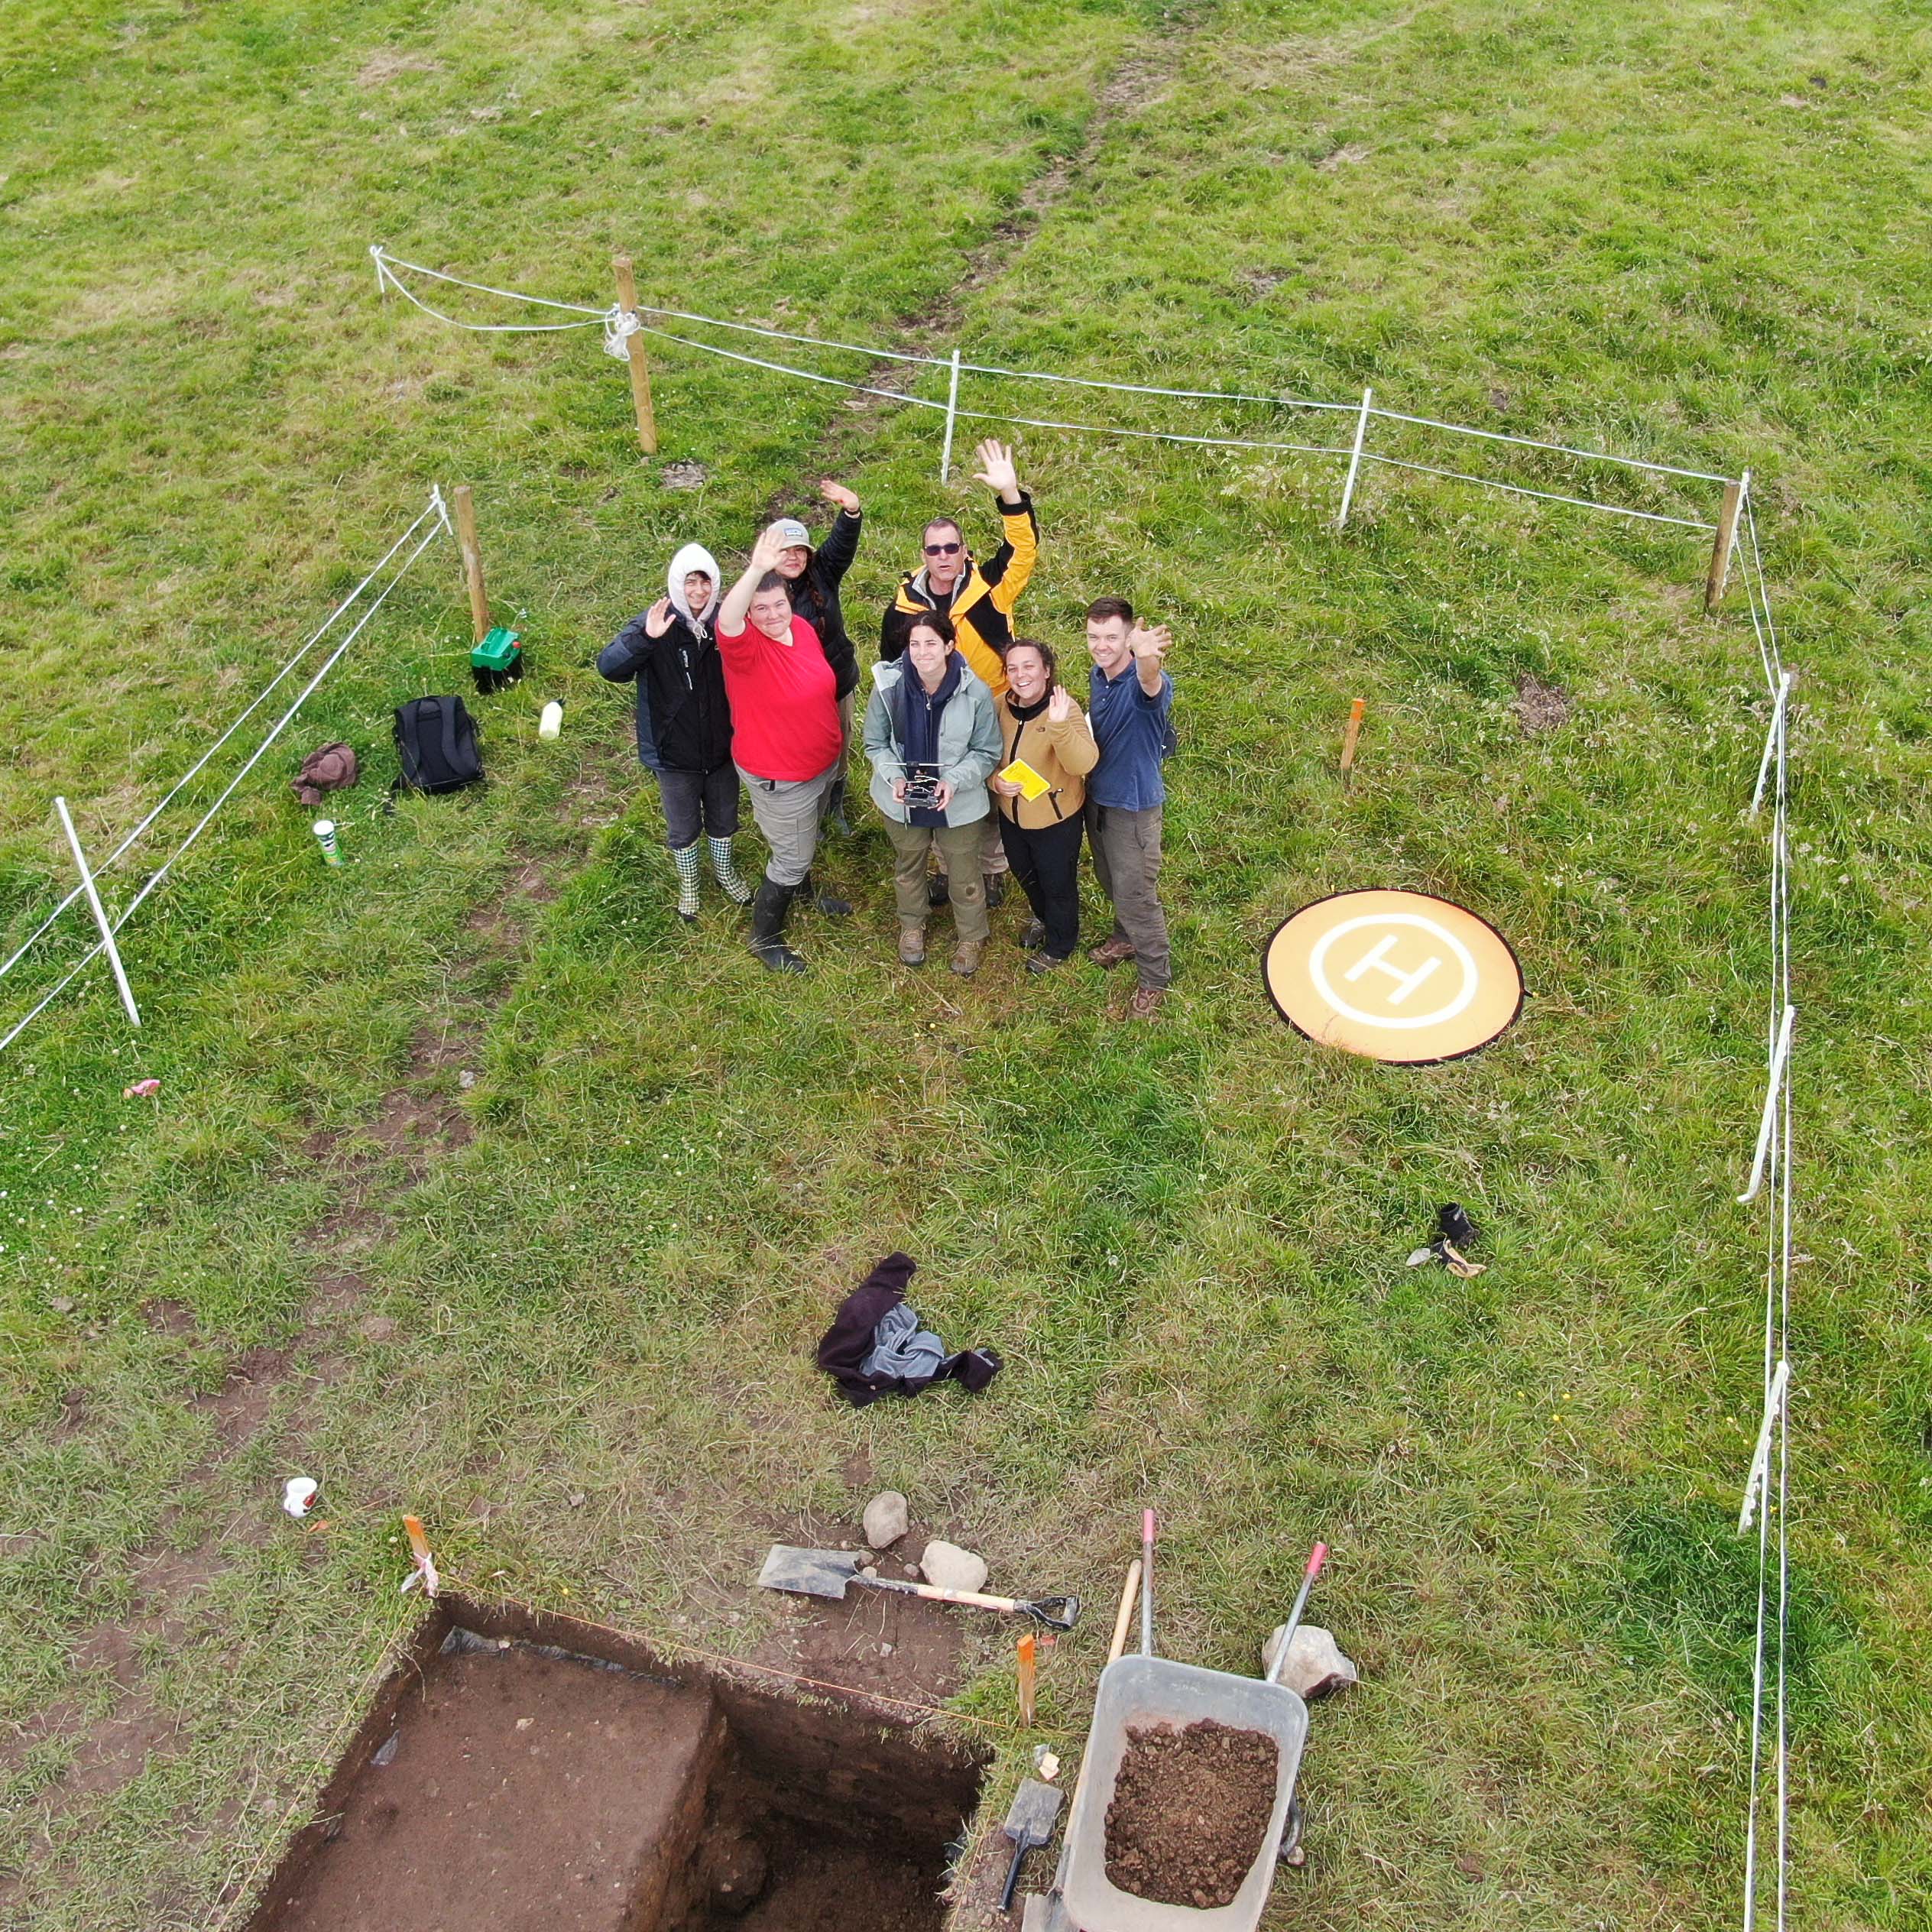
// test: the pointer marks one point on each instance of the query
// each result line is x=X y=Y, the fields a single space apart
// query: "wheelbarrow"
x=1146 y=1689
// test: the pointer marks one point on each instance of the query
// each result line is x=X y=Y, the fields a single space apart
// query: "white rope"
x=1150 y=389
x=1771 y=738
x=386 y=263
x=254 y=758
x=1772 y=671
x=436 y=508
x=1774 y=1156
x=1152 y=435
x=1757 y=564
x=1522 y=490
x=1774 y=1087
x=786 y=369
x=983 y=415
x=1758 y=598
x=1754 y=1484
x=1531 y=443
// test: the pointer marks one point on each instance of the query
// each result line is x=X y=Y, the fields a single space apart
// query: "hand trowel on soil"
x=829 y=1573
x=1029 y=1824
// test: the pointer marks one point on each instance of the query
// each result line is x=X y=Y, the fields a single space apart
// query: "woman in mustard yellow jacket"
x=1047 y=749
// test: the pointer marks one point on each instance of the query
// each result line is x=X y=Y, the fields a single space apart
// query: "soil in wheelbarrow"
x=1190 y=1812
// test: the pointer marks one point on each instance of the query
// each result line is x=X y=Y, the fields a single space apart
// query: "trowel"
x=830 y=1573
x=1029 y=1824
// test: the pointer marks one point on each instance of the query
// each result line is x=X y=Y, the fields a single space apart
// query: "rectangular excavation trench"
x=519 y=1771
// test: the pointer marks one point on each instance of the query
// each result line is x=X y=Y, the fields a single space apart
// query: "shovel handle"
x=1124 y=1616
x=1058 y=1617
x=1013 y=1875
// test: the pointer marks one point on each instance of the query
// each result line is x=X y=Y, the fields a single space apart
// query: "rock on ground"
x=952 y=1568
x=885 y=1519
x=1315 y=1665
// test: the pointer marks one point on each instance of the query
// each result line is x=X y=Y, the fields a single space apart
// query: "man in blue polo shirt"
x=1129 y=702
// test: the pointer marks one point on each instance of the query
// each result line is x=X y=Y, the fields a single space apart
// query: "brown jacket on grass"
x=1063 y=754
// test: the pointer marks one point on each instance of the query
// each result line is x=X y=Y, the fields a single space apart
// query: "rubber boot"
x=829 y=903
x=834 y=812
x=769 y=906
x=687 y=865
x=726 y=873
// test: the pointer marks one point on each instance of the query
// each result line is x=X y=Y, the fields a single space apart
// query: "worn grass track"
x=595 y=1273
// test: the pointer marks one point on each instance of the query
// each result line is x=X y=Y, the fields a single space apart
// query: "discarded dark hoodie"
x=875 y=1346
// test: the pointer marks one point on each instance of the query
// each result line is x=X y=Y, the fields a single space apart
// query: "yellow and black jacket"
x=982 y=602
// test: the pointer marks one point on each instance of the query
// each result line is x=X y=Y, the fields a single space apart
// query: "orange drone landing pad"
x=1397 y=976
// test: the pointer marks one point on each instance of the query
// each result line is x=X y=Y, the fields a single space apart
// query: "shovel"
x=829 y=1573
x=1029 y=1824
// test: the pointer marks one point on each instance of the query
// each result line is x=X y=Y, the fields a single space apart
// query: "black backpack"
x=435 y=738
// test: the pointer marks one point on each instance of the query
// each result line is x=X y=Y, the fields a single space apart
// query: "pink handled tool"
x=1317 y=1558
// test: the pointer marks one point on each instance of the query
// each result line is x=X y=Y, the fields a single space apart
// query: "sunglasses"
x=942 y=549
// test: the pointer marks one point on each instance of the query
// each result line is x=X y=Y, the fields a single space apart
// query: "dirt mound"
x=1190 y=1811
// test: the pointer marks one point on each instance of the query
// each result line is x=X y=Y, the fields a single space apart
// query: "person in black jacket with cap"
x=812 y=577
x=684 y=720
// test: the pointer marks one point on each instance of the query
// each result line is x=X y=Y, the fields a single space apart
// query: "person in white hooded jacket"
x=684 y=720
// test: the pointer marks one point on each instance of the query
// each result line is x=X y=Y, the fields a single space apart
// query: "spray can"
x=551 y=723
x=325 y=832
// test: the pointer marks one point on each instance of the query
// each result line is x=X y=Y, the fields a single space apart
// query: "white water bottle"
x=551 y=723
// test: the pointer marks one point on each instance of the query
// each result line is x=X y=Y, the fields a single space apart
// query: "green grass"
x=1679 y=233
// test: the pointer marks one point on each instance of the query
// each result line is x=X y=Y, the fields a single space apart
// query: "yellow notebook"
x=1031 y=786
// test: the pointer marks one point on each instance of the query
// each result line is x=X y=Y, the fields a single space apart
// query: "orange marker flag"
x=425 y=1572
x=1028 y=1665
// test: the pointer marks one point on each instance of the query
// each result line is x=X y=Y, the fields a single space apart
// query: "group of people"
x=980 y=759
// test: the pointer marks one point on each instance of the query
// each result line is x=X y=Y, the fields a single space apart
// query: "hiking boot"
x=1113 y=952
x=911 y=945
x=966 y=958
x=996 y=890
x=769 y=907
x=1145 y=1003
x=1044 y=962
x=1034 y=936
x=938 y=890
x=829 y=903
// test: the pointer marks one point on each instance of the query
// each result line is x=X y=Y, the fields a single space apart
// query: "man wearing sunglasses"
x=979 y=598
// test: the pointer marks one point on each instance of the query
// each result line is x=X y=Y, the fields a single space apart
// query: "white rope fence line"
x=435 y=508
x=617 y=324
x=1768 y=1490
x=1522 y=490
x=441 y=525
x=952 y=411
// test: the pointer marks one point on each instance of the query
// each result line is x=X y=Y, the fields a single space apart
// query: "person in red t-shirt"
x=786 y=739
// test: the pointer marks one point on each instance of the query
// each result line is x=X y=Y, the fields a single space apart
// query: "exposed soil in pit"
x=523 y=1791
x=1190 y=1810
x=522 y=1772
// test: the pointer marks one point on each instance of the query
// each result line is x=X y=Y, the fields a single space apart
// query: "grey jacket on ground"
x=969 y=743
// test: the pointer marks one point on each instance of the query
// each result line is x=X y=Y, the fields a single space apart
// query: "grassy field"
x=565 y=1312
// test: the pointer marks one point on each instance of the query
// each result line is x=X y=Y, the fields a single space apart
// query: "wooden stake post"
x=634 y=348
x=479 y=604
x=1349 y=736
x=1720 y=552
